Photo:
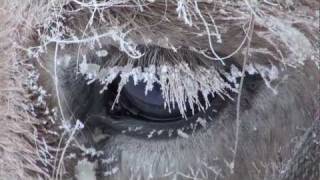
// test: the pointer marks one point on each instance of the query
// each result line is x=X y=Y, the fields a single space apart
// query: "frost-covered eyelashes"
x=181 y=76
x=164 y=93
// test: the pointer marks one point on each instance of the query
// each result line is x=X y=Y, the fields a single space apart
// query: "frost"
x=234 y=74
x=38 y=92
x=151 y=134
x=91 y=152
x=85 y=170
x=299 y=47
x=230 y=165
x=89 y=69
x=160 y=132
x=110 y=160
x=184 y=12
x=69 y=127
x=268 y=75
x=71 y=156
x=179 y=84
x=111 y=172
x=251 y=69
x=182 y=134
x=202 y=122
x=102 y=53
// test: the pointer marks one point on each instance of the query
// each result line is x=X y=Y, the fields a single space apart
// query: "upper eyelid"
x=180 y=31
x=174 y=33
x=113 y=55
x=146 y=25
x=178 y=74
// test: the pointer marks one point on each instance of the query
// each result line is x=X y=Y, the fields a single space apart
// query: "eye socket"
x=133 y=112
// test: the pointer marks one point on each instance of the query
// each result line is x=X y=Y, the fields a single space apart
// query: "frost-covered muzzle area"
x=157 y=89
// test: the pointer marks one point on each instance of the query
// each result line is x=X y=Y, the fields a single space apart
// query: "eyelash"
x=180 y=83
x=93 y=79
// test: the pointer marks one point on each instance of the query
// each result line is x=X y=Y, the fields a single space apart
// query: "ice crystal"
x=182 y=134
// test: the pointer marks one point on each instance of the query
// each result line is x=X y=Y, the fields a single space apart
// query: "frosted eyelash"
x=179 y=83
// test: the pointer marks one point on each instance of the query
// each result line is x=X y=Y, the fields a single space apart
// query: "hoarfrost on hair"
x=85 y=170
x=180 y=85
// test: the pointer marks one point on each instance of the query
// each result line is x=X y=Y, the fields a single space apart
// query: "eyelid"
x=181 y=79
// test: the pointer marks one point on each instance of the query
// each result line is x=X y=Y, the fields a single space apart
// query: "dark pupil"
x=150 y=106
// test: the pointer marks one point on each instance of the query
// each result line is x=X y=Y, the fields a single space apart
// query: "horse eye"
x=137 y=110
x=148 y=106
x=145 y=115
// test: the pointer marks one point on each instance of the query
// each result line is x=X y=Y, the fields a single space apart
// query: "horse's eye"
x=148 y=106
x=178 y=101
x=145 y=114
